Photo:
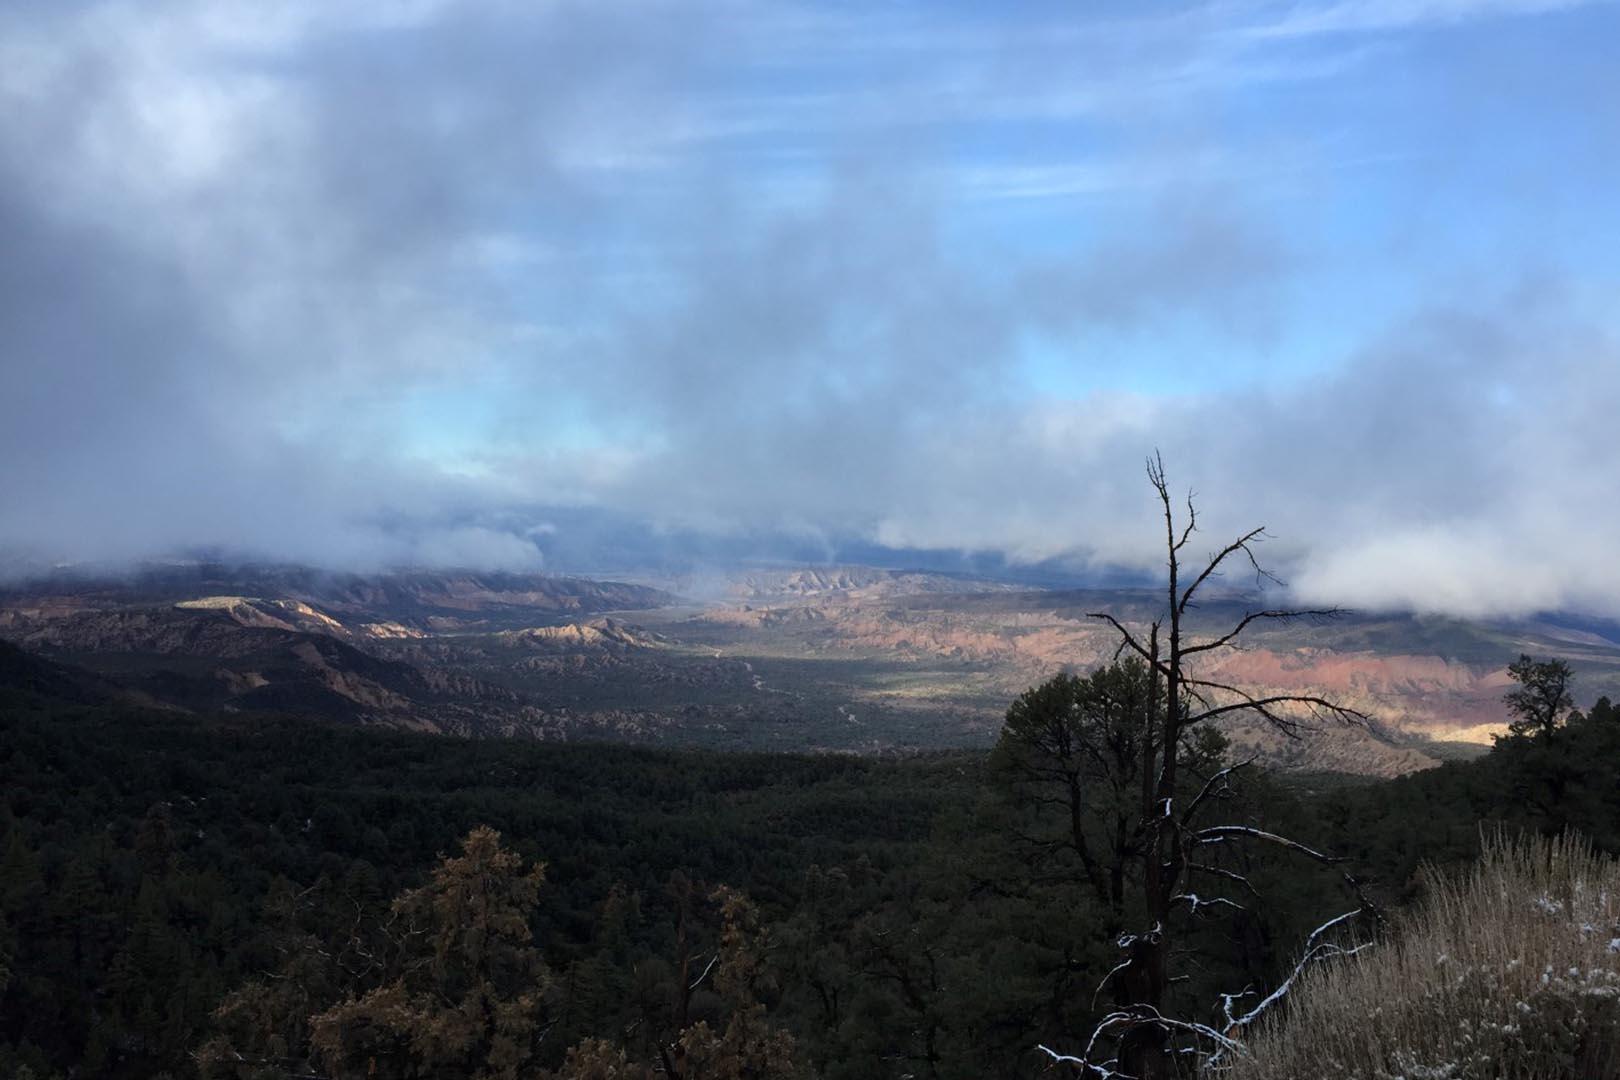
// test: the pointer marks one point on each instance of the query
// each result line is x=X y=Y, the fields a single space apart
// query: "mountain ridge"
x=815 y=658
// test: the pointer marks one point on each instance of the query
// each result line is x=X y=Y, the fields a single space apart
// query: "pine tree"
x=22 y=888
x=742 y=1044
x=1542 y=699
x=467 y=999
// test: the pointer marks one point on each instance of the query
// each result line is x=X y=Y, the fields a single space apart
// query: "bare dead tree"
x=1178 y=852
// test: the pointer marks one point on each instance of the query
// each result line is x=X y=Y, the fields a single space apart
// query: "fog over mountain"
x=583 y=284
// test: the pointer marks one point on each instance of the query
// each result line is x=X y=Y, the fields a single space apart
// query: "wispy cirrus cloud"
x=1365 y=16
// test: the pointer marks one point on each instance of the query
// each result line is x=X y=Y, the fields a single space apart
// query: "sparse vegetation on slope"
x=1512 y=970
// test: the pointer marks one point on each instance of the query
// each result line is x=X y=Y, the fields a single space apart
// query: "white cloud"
x=1348 y=16
x=703 y=268
x=1451 y=571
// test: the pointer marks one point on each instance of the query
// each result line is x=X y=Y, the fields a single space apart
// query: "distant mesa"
x=598 y=633
x=925 y=660
x=390 y=630
x=856 y=582
x=298 y=594
x=273 y=613
x=304 y=642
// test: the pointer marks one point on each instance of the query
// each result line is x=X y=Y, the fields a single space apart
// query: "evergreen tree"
x=467 y=998
x=1542 y=699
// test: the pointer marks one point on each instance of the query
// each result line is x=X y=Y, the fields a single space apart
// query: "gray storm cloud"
x=394 y=285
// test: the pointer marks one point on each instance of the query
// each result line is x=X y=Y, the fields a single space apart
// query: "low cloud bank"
x=443 y=285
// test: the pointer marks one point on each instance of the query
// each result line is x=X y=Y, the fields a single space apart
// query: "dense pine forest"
x=258 y=897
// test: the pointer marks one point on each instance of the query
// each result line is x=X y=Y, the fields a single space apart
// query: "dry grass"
x=1511 y=971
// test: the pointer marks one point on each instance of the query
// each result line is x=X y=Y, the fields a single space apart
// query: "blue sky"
x=430 y=277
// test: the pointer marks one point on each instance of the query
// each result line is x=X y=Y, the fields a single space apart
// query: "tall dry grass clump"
x=1511 y=971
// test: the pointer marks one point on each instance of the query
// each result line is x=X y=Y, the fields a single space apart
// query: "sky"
x=566 y=285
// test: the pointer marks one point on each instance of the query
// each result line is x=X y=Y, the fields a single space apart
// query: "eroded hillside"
x=849 y=659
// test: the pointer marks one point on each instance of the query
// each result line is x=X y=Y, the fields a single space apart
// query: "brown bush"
x=1510 y=971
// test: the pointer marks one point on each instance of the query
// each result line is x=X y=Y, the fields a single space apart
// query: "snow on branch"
x=1218 y=785
x=1106 y=1070
x=1230 y=875
x=1194 y=902
x=1124 y=1020
x=1115 y=970
x=1316 y=949
x=713 y=960
x=1216 y=834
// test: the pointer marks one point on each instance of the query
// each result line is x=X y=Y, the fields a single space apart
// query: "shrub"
x=1510 y=971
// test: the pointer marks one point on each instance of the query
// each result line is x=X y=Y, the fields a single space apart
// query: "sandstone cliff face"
x=606 y=633
x=833 y=659
x=1416 y=679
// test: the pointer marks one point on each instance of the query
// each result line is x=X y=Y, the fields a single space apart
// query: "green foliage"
x=1546 y=783
x=1542 y=697
x=176 y=891
x=1069 y=760
x=466 y=992
x=182 y=896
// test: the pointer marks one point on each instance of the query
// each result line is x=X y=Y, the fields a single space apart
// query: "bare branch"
x=1315 y=949
x=713 y=960
x=1240 y=544
x=1115 y=970
x=1146 y=1015
x=1216 y=834
x=1127 y=638
x=1103 y=1071
x=1194 y=902
x=1277 y=614
x=1194 y=693
x=1266 y=707
x=1192 y=523
x=1230 y=875
x=1216 y=783
x=1311 y=939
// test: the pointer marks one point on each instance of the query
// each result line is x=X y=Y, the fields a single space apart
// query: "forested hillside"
x=255 y=897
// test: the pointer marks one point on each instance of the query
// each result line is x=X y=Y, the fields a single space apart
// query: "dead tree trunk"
x=1150 y=1044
